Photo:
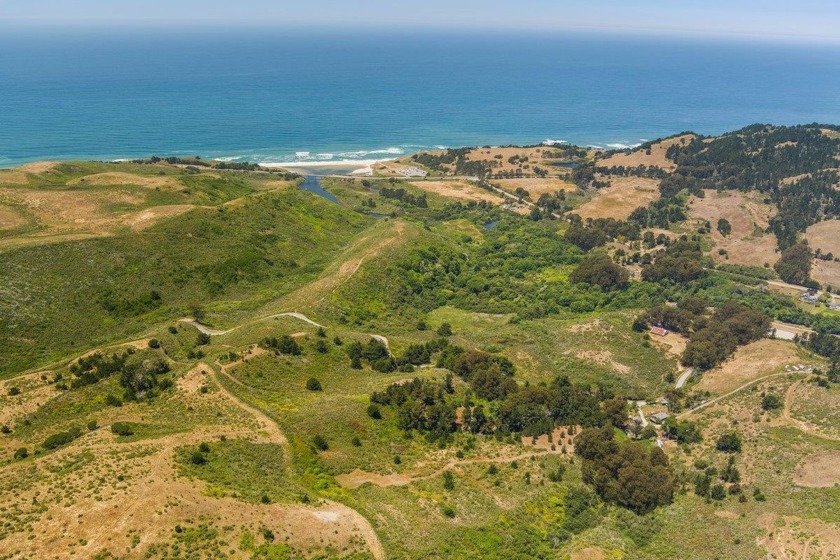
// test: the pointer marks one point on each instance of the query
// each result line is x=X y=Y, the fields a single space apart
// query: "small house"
x=659 y=417
x=659 y=331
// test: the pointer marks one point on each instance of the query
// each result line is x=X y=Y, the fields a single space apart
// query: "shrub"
x=322 y=333
x=92 y=425
x=321 y=347
x=21 y=453
x=356 y=442
x=202 y=338
x=729 y=443
x=313 y=384
x=447 y=510
x=113 y=400
x=320 y=443
x=771 y=402
x=198 y=458
x=57 y=440
x=6 y=429
x=374 y=412
x=718 y=492
x=204 y=447
x=13 y=391
x=122 y=429
x=445 y=329
x=173 y=329
x=154 y=343
x=448 y=480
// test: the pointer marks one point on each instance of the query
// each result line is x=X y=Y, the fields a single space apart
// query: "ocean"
x=282 y=96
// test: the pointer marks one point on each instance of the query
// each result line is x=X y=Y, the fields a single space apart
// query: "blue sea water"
x=292 y=96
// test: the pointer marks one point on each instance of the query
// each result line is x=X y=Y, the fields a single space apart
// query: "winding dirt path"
x=276 y=435
x=730 y=393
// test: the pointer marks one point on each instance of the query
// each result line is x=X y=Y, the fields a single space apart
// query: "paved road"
x=684 y=377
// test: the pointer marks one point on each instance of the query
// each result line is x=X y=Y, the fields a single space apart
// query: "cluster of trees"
x=688 y=315
x=90 y=369
x=794 y=265
x=625 y=473
x=681 y=262
x=139 y=376
x=730 y=326
x=404 y=196
x=454 y=159
x=283 y=345
x=641 y=170
x=803 y=203
x=584 y=177
x=421 y=405
x=600 y=270
x=594 y=233
x=375 y=353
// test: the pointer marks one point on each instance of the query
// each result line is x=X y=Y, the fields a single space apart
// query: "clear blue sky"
x=801 y=19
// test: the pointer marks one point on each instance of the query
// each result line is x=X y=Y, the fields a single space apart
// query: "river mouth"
x=312 y=183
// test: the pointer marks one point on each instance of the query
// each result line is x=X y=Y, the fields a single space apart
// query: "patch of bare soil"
x=749 y=362
x=587 y=326
x=818 y=471
x=794 y=538
x=117 y=178
x=748 y=215
x=589 y=553
x=10 y=219
x=63 y=210
x=673 y=343
x=13 y=177
x=825 y=236
x=358 y=477
x=639 y=156
x=461 y=190
x=535 y=185
x=38 y=166
x=618 y=201
x=604 y=358
x=148 y=217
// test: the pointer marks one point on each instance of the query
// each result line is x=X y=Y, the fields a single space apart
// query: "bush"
x=197 y=458
x=202 y=338
x=447 y=510
x=21 y=453
x=154 y=343
x=13 y=391
x=6 y=429
x=729 y=443
x=356 y=442
x=771 y=402
x=92 y=425
x=321 y=347
x=445 y=329
x=173 y=329
x=313 y=384
x=57 y=440
x=122 y=429
x=320 y=443
x=113 y=400
x=448 y=480
x=374 y=412
x=718 y=492
x=204 y=447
